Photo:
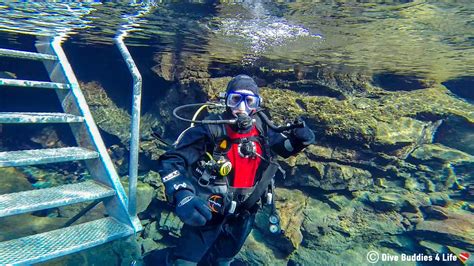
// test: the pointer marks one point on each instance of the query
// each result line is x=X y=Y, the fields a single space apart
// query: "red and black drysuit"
x=224 y=235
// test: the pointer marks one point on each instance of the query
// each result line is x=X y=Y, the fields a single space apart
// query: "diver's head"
x=242 y=96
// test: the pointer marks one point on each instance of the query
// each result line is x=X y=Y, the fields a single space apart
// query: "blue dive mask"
x=234 y=99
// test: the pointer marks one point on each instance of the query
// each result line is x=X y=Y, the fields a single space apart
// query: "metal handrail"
x=136 y=106
x=135 y=126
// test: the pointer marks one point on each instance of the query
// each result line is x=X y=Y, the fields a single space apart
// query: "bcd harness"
x=241 y=156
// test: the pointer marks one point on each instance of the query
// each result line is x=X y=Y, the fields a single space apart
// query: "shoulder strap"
x=263 y=130
x=260 y=126
x=217 y=132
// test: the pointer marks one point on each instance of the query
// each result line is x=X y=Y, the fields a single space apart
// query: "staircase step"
x=49 y=245
x=26 y=55
x=21 y=118
x=43 y=156
x=41 y=199
x=33 y=84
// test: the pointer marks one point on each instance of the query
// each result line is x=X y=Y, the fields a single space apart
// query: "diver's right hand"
x=191 y=209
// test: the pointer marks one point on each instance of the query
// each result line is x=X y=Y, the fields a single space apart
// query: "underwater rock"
x=166 y=66
x=185 y=65
x=17 y=226
x=69 y=211
x=45 y=176
x=159 y=118
x=145 y=194
x=48 y=138
x=386 y=201
x=439 y=199
x=127 y=250
x=170 y=223
x=376 y=135
x=152 y=149
x=213 y=86
x=396 y=199
x=337 y=201
x=441 y=154
x=432 y=247
x=400 y=131
x=385 y=123
x=153 y=178
x=412 y=219
x=119 y=157
x=333 y=231
x=456 y=132
x=456 y=229
x=107 y=115
x=330 y=176
x=151 y=232
x=338 y=177
x=13 y=181
x=401 y=242
x=446 y=167
x=148 y=245
x=255 y=252
x=290 y=205
x=435 y=212
x=119 y=252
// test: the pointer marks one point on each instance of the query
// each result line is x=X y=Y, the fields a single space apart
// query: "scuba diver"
x=220 y=171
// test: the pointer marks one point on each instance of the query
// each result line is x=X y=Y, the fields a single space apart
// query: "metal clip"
x=233 y=206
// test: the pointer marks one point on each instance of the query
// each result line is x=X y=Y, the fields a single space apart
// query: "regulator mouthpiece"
x=244 y=121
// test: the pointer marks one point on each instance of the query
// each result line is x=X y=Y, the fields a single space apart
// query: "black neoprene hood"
x=242 y=82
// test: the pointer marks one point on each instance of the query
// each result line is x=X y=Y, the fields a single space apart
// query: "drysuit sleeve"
x=174 y=164
x=290 y=144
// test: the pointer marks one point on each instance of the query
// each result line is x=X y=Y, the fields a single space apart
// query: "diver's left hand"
x=304 y=135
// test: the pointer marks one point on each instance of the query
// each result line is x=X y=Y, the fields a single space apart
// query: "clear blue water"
x=426 y=38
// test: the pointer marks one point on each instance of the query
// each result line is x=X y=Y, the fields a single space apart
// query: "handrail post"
x=136 y=103
x=135 y=125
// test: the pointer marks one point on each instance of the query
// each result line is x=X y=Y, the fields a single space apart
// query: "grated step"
x=53 y=244
x=26 y=55
x=41 y=199
x=21 y=118
x=33 y=84
x=32 y=157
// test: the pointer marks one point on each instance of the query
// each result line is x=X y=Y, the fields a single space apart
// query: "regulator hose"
x=264 y=117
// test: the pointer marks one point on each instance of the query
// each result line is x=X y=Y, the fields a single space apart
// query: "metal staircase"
x=105 y=185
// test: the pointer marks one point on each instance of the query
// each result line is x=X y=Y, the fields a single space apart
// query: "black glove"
x=304 y=135
x=191 y=209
